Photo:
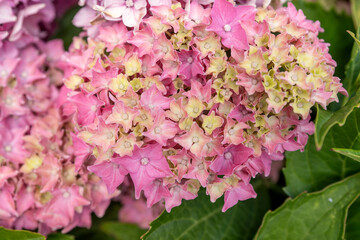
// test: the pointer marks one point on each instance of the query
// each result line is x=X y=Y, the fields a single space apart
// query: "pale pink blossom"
x=112 y=174
x=60 y=210
x=178 y=192
x=233 y=156
x=239 y=193
x=145 y=165
x=226 y=22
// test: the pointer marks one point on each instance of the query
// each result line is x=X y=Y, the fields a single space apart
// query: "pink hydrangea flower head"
x=112 y=174
x=172 y=96
x=43 y=159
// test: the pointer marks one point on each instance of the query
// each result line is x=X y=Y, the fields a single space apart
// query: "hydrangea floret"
x=40 y=186
x=194 y=94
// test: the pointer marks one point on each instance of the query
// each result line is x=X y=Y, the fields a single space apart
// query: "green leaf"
x=7 y=234
x=200 y=219
x=319 y=215
x=355 y=9
x=351 y=153
x=60 y=236
x=352 y=81
x=312 y=170
x=353 y=221
x=357 y=41
x=335 y=26
x=122 y=231
x=325 y=120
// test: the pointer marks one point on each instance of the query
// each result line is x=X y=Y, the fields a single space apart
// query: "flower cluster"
x=131 y=12
x=196 y=94
x=40 y=188
x=25 y=21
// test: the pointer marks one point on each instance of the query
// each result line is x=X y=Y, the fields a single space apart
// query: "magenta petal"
x=236 y=38
x=111 y=173
x=140 y=179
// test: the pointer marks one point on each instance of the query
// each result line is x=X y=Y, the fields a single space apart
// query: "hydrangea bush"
x=153 y=101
